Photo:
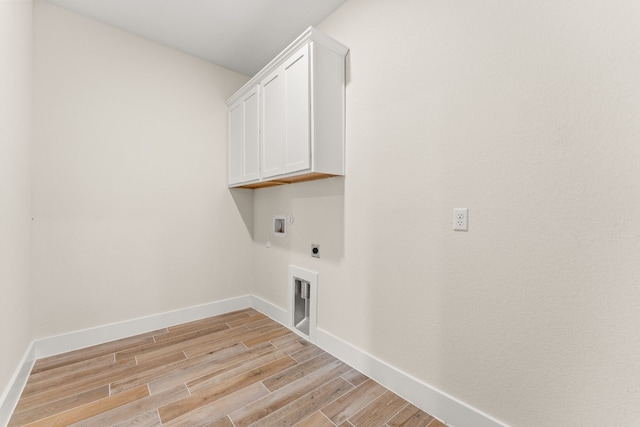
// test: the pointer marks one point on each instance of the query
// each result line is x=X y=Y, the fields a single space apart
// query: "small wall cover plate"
x=461 y=219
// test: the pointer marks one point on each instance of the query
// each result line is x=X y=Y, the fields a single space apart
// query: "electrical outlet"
x=461 y=219
x=315 y=250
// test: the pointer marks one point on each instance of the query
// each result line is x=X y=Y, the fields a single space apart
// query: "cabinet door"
x=244 y=139
x=235 y=143
x=285 y=115
x=273 y=123
x=251 y=140
x=297 y=105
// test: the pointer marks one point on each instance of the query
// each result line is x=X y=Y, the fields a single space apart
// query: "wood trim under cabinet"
x=312 y=176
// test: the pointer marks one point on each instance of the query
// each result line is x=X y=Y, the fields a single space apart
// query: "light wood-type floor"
x=236 y=369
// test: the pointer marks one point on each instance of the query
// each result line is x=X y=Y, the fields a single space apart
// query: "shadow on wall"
x=243 y=199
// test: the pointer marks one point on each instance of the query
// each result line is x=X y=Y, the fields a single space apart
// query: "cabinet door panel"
x=251 y=140
x=297 y=130
x=235 y=143
x=273 y=124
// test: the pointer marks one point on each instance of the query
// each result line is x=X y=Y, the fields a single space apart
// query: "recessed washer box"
x=303 y=301
x=279 y=226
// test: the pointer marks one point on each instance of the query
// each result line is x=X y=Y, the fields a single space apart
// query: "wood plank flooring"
x=233 y=370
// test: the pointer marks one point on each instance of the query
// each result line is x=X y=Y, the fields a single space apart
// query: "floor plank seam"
x=394 y=415
x=335 y=399
x=309 y=395
x=327 y=418
x=365 y=407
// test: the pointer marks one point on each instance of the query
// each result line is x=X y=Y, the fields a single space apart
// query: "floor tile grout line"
x=308 y=360
x=260 y=366
x=55 y=400
x=151 y=351
x=64 y=373
x=236 y=365
x=401 y=409
x=326 y=416
x=308 y=393
x=338 y=397
x=367 y=405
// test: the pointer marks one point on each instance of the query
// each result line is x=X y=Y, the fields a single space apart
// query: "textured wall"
x=15 y=194
x=527 y=114
x=132 y=216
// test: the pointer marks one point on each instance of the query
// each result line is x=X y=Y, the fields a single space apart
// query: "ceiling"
x=242 y=35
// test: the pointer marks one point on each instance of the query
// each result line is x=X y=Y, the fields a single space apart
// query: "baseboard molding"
x=11 y=394
x=63 y=343
x=446 y=408
x=270 y=310
x=439 y=404
x=84 y=338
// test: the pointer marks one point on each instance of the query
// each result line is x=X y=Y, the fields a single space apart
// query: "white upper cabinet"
x=300 y=111
x=244 y=138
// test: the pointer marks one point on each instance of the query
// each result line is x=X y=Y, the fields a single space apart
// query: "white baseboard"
x=80 y=339
x=270 y=310
x=444 y=407
x=50 y=346
x=437 y=403
x=11 y=394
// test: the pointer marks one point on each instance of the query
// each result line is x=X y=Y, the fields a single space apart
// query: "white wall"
x=527 y=113
x=15 y=194
x=132 y=216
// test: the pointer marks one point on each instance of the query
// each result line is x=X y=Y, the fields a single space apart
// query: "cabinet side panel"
x=328 y=111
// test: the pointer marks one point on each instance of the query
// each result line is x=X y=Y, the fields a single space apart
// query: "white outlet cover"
x=461 y=219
